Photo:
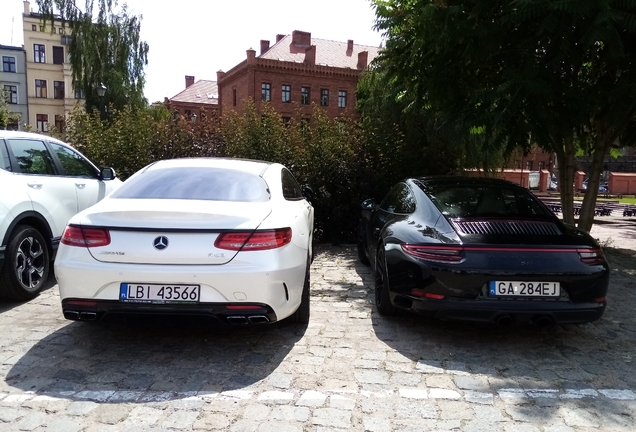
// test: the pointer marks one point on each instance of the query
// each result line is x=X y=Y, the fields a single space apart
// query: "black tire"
x=303 y=312
x=26 y=264
x=382 y=296
x=362 y=254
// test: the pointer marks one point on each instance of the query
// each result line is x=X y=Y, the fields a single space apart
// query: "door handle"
x=35 y=185
x=80 y=185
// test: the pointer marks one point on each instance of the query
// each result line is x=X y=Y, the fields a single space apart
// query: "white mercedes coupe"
x=226 y=238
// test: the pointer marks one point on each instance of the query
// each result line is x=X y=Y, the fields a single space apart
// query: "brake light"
x=447 y=254
x=87 y=237
x=254 y=240
x=420 y=293
x=591 y=256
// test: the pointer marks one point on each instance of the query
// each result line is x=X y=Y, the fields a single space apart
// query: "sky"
x=201 y=37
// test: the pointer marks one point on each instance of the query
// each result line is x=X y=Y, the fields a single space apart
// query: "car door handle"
x=80 y=185
x=35 y=185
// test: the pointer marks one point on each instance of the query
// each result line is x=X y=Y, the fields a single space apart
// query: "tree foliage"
x=559 y=73
x=106 y=49
x=6 y=116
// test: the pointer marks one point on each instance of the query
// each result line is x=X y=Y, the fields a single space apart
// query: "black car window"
x=5 y=163
x=194 y=183
x=32 y=155
x=73 y=163
x=484 y=200
x=291 y=189
x=399 y=200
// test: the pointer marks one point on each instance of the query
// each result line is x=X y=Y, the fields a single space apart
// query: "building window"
x=34 y=27
x=40 y=88
x=541 y=165
x=342 y=99
x=233 y=97
x=529 y=165
x=66 y=39
x=61 y=30
x=58 y=89
x=286 y=120
x=324 y=97
x=39 y=53
x=8 y=64
x=79 y=93
x=58 y=55
x=42 y=122
x=60 y=123
x=266 y=91
x=11 y=93
x=286 y=94
x=304 y=95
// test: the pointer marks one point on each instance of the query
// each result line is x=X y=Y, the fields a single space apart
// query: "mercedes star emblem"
x=160 y=243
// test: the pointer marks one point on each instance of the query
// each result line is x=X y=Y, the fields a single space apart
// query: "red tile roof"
x=328 y=52
x=202 y=92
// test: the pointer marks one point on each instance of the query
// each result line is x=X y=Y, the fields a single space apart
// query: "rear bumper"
x=225 y=313
x=508 y=312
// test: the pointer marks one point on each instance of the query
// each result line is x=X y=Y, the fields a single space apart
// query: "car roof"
x=246 y=165
x=449 y=180
x=7 y=134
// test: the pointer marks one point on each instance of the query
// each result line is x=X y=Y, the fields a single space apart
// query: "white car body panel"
x=273 y=277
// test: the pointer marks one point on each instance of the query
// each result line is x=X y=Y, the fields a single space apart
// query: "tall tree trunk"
x=566 y=179
x=602 y=145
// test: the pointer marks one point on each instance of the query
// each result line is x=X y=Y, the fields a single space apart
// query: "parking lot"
x=349 y=369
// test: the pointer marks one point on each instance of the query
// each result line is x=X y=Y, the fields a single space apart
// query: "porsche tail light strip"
x=85 y=237
x=448 y=254
x=254 y=240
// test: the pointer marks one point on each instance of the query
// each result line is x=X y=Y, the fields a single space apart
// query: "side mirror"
x=108 y=174
x=368 y=204
x=308 y=192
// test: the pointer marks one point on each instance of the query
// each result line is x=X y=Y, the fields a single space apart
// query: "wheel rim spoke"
x=30 y=263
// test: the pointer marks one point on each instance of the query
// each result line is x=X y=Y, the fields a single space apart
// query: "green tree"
x=6 y=116
x=558 y=73
x=106 y=49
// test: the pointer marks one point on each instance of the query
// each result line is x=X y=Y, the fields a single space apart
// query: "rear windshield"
x=484 y=201
x=194 y=183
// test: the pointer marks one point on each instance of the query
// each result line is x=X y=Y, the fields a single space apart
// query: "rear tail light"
x=446 y=254
x=591 y=256
x=254 y=240
x=86 y=237
x=420 y=293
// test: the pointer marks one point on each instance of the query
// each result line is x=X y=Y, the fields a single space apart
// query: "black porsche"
x=479 y=249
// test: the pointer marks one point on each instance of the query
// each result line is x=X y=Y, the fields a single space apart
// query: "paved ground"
x=349 y=369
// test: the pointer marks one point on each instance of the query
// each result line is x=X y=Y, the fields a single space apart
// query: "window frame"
x=266 y=92
x=12 y=93
x=342 y=98
x=41 y=88
x=6 y=64
x=58 y=58
x=285 y=93
x=39 y=53
x=305 y=95
x=58 y=90
x=42 y=122
x=324 y=97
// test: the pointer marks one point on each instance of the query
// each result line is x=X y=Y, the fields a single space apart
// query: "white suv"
x=43 y=182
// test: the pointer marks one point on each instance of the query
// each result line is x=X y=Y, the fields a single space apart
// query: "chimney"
x=301 y=38
x=264 y=46
x=363 y=59
x=27 y=7
x=350 y=46
x=219 y=76
x=310 y=56
x=251 y=56
x=279 y=37
x=189 y=80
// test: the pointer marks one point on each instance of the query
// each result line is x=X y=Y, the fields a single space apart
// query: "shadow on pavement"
x=157 y=357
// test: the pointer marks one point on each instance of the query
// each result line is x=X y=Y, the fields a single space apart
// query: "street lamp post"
x=101 y=91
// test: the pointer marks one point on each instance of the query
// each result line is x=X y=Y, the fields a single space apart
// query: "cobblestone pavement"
x=349 y=369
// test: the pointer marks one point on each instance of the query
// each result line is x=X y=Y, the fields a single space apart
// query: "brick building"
x=294 y=73
x=198 y=100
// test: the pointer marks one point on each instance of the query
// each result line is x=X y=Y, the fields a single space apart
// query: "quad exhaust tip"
x=250 y=319
x=80 y=316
